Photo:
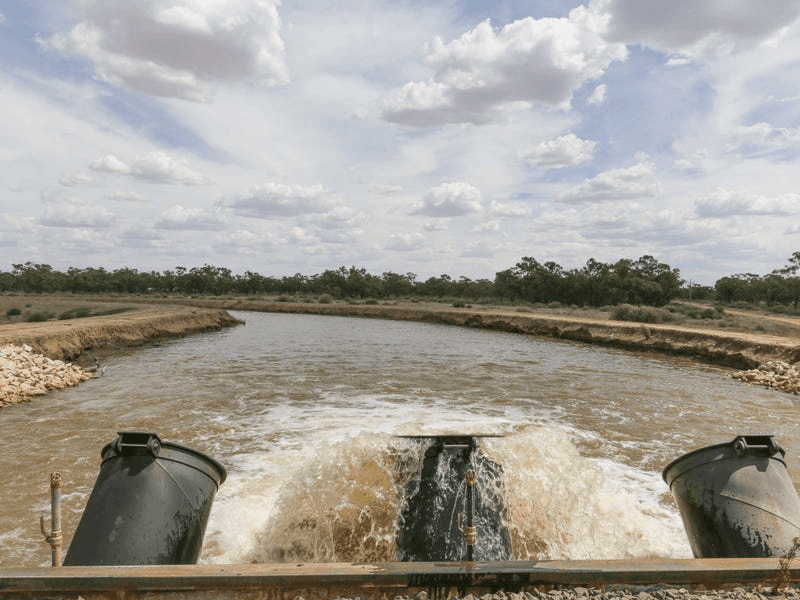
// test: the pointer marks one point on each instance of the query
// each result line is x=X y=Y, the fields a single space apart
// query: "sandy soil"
x=81 y=339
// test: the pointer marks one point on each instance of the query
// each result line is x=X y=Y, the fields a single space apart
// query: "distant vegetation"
x=634 y=283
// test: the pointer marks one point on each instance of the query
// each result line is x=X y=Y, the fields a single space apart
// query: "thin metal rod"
x=54 y=538
x=471 y=533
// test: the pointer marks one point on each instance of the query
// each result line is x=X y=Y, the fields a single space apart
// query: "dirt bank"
x=70 y=339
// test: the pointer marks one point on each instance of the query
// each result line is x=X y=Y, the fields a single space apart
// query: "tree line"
x=644 y=281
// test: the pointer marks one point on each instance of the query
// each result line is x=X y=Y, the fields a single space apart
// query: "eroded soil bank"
x=33 y=353
x=73 y=338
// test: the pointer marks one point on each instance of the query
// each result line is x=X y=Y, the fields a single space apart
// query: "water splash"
x=344 y=505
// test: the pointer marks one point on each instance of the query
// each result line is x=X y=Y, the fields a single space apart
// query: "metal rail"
x=323 y=580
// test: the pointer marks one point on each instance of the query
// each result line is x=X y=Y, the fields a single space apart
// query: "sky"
x=445 y=137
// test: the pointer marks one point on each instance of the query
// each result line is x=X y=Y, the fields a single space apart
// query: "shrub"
x=371 y=301
x=325 y=299
x=283 y=299
x=75 y=313
x=39 y=317
x=13 y=312
x=641 y=314
x=458 y=304
x=112 y=311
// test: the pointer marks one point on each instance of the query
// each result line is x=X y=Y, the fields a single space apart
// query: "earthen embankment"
x=33 y=356
x=69 y=339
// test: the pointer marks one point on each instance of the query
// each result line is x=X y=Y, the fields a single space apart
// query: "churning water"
x=306 y=413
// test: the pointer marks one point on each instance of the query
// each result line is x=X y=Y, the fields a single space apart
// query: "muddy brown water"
x=306 y=413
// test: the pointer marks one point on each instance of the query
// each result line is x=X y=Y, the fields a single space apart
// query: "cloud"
x=190 y=219
x=159 y=167
x=339 y=217
x=513 y=209
x=405 y=242
x=540 y=61
x=565 y=151
x=453 y=199
x=73 y=213
x=109 y=165
x=273 y=200
x=75 y=179
x=617 y=184
x=724 y=203
x=126 y=196
x=598 y=96
x=155 y=167
x=761 y=138
x=176 y=48
x=694 y=27
x=10 y=224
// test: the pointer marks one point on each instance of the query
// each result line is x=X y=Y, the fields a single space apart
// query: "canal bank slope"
x=33 y=354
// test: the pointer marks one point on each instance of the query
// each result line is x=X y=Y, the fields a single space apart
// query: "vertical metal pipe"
x=55 y=518
x=470 y=532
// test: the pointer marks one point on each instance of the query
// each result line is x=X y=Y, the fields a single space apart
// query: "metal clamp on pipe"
x=131 y=443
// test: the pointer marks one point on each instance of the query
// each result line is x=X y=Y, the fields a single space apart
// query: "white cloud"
x=154 y=167
x=109 y=165
x=126 y=196
x=761 y=138
x=340 y=217
x=75 y=179
x=511 y=209
x=528 y=61
x=723 y=203
x=617 y=184
x=160 y=167
x=272 y=200
x=74 y=213
x=190 y=219
x=452 y=199
x=405 y=242
x=10 y=224
x=435 y=225
x=695 y=27
x=175 y=48
x=565 y=151
x=493 y=226
x=598 y=96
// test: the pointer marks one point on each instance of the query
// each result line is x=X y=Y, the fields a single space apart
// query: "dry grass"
x=56 y=306
x=733 y=320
